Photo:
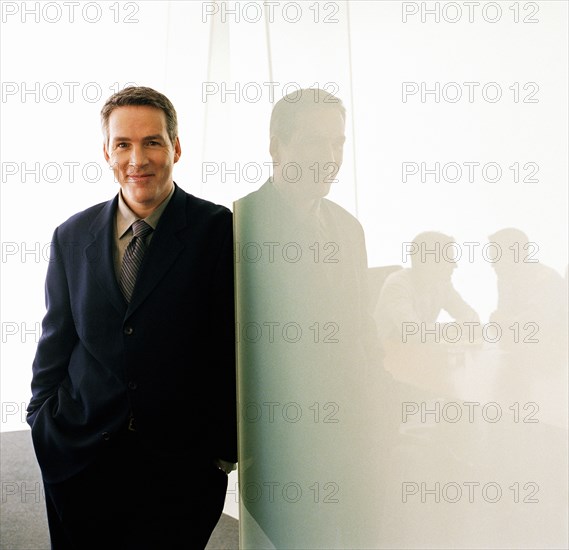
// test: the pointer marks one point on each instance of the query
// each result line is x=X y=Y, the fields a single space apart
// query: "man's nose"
x=138 y=156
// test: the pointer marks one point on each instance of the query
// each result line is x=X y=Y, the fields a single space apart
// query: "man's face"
x=141 y=155
x=506 y=266
x=314 y=153
x=436 y=268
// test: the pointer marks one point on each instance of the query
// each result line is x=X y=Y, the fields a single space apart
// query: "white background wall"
x=59 y=66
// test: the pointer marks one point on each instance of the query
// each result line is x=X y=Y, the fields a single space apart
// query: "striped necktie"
x=133 y=257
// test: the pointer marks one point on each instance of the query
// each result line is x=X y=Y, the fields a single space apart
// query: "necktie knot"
x=140 y=228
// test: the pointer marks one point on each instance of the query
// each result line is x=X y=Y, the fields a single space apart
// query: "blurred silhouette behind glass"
x=530 y=293
x=417 y=294
x=309 y=364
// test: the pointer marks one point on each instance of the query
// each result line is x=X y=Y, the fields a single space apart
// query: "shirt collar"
x=126 y=217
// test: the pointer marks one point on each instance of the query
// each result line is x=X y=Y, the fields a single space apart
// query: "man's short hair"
x=507 y=236
x=140 y=95
x=290 y=108
x=428 y=241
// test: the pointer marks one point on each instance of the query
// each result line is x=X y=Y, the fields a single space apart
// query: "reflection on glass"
x=308 y=351
x=398 y=432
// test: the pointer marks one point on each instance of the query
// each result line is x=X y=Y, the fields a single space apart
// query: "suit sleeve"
x=223 y=346
x=58 y=336
x=370 y=337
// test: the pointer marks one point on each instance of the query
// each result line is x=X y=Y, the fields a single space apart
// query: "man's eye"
x=153 y=143
x=121 y=145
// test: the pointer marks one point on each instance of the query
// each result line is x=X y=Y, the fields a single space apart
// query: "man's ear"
x=177 y=150
x=274 y=149
x=105 y=152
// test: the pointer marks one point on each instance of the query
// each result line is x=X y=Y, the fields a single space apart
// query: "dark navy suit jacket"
x=168 y=356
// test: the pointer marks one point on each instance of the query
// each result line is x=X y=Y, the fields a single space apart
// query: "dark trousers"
x=133 y=498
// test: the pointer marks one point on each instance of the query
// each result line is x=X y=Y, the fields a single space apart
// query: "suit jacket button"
x=106 y=436
x=128 y=330
x=132 y=385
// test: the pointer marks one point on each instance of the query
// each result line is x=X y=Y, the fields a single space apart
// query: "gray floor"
x=23 y=524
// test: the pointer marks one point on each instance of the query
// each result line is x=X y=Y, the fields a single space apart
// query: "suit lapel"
x=99 y=254
x=163 y=250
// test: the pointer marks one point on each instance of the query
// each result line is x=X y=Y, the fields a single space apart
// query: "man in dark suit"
x=133 y=407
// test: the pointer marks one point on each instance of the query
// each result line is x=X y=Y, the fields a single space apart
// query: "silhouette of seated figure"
x=412 y=298
x=532 y=297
